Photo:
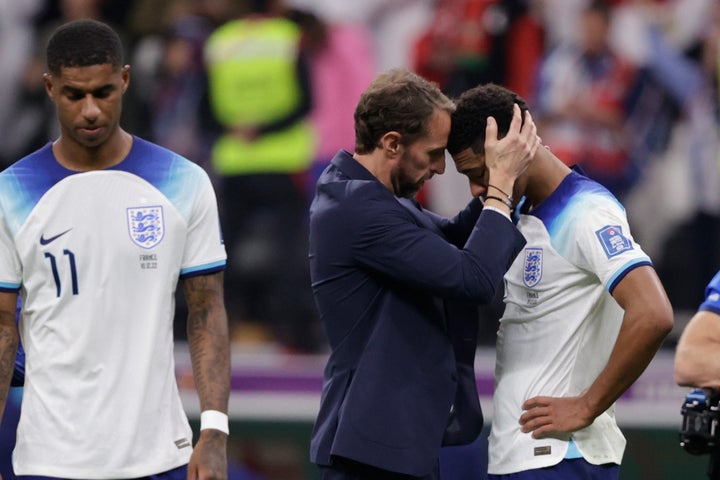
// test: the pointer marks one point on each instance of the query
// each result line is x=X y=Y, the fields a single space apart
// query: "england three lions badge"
x=532 y=268
x=146 y=225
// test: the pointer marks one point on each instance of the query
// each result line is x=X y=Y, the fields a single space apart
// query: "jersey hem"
x=45 y=471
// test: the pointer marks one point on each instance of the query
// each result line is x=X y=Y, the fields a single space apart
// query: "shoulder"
x=152 y=161
x=356 y=207
x=361 y=197
x=577 y=204
x=35 y=163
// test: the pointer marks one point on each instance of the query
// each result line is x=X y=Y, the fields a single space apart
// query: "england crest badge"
x=146 y=225
x=532 y=268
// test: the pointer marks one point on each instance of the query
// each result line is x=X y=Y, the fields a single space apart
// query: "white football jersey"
x=561 y=322
x=97 y=256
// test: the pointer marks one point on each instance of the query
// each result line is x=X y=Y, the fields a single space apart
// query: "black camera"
x=700 y=431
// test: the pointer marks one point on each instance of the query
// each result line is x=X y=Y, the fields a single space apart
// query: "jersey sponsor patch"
x=544 y=450
x=532 y=268
x=146 y=225
x=182 y=443
x=613 y=241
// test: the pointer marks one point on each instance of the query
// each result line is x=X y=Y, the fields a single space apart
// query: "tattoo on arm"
x=8 y=349
x=208 y=340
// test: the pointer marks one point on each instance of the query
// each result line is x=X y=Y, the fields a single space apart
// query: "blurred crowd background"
x=261 y=93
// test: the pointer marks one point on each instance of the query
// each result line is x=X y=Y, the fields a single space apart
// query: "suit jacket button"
x=454 y=376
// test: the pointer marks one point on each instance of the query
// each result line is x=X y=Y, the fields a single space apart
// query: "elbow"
x=486 y=292
x=682 y=374
x=665 y=325
x=663 y=320
x=487 y=296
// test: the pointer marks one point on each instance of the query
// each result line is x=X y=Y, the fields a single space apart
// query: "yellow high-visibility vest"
x=252 y=74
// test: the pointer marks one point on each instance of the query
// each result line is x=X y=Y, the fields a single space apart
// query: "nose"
x=438 y=166
x=475 y=189
x=90 y=109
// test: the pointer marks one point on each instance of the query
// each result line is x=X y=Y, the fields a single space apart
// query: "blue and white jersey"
x=561 y=322
x=712 y=296
x=96 y=257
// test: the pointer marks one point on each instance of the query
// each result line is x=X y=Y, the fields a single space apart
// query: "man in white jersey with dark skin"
x=584 y=310
x=96 y=229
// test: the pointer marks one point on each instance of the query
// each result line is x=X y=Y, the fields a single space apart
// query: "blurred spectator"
x=471 y=42
x=675 y=45
x=17 y=39
x=458 y=50
x=561 y=20
x=394 y=25
x=180 y=114
x=260 y=94
x=581 y=97
x=341 y=65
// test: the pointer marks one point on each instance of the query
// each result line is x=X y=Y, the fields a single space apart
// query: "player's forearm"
x=208 y=341
x=8 y=350
x=639 y=339
x=210 y=353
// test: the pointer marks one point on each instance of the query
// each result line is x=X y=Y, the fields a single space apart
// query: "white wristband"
x=215 y=420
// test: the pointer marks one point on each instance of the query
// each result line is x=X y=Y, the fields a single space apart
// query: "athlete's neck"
x=545 y=174
x=75 y=156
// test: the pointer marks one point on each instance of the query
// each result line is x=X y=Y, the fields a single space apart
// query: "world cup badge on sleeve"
x=532 y=268
x=613 y=241
x=146 y=225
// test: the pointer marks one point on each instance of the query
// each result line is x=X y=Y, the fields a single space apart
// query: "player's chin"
x=91 y=137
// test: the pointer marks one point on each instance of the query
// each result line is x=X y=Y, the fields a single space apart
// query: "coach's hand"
x=551 y=416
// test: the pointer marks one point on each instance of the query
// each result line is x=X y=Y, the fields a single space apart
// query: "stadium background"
x=673 y=202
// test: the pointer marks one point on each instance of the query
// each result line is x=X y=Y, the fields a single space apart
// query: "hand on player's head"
x=510 y=156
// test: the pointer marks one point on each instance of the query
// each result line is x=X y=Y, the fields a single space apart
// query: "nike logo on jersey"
x=45 y=241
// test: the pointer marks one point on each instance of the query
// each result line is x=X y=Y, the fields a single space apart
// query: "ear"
x=47 y=80
x=125 y=73
x=391 y=143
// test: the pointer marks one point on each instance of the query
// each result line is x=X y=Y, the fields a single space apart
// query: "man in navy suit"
x=396 y=286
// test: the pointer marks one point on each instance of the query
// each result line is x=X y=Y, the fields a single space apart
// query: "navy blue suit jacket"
x=394 y=290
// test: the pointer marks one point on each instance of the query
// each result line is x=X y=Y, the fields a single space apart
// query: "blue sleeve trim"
x=203 y=269
x=712 y=296
x=710 y=308
x=627 y=268
x=9 y=287
x=713 y=285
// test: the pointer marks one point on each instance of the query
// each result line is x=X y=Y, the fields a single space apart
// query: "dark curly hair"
x=470 y=117
x=82 y=43
x=397 y=100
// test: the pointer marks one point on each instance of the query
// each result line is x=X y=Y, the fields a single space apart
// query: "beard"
x=407 y=188
x=405 y=181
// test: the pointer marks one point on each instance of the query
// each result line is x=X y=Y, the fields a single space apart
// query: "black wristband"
x=501 y=191
x=507 y=203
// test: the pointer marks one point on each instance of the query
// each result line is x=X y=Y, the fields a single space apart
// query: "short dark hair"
x=397 y=100
x=470 y=117
x=82 y=43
